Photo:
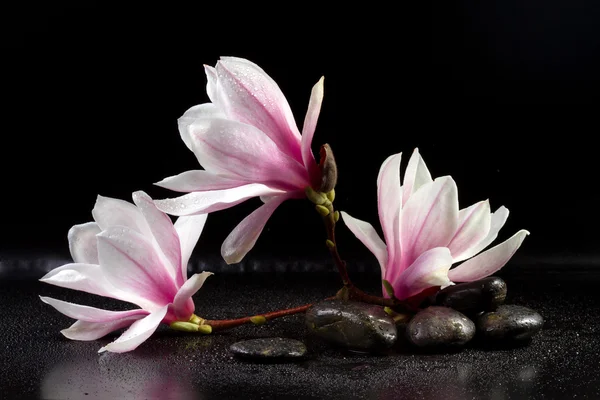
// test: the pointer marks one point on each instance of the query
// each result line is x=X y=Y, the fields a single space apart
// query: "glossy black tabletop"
x=36 y=361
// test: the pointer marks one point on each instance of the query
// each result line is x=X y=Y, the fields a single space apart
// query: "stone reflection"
x=116 y=376
x=429 y=380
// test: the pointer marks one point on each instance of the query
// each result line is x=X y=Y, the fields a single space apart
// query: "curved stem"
x=329 y=221
x=222 y=324
x=349 y=291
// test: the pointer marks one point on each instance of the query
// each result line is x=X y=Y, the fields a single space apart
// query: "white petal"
x=83 y=330
x=82 y=243
x=189 y=230
x=489 y=261
x=211 y=82
x=206 y=110
x=473 y=226
x=243 y=237
x=429 y=219
x=89 y=314
x=189 y=288
x=163 y=231
x=365 y=232
x=389 y=199
x=130 y=262
x=310 y=124
x=416 y=175
x=109 y=212
x=213 y=200
x=198 y=181
x=498 y=220
x=429 y=269
x=83 y=277
x=138 y=332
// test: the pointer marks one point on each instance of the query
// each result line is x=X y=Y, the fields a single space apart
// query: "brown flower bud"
x=328 y=169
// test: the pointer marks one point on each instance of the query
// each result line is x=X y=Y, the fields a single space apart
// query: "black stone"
x=269 y=348
x=438 y=326
x=472 y=297
x=509 y=323
x=352 y=325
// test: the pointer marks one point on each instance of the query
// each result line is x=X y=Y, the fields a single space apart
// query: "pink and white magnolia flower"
x=426 y=232
x=134 y=254
x=249 y=145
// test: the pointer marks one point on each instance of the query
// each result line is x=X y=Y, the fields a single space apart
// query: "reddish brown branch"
x=222 y=324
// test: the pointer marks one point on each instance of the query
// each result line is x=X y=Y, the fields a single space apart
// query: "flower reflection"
x=116 y=377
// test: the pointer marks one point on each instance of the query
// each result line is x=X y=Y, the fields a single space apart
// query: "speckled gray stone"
x=353 y=325
x=269 y=348
x=472 y=297
x=438 y=326
x=509 y=323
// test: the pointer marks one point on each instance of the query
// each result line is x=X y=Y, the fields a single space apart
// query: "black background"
x=500 y=96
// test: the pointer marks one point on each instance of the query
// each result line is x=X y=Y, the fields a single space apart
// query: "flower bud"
x=328 y=169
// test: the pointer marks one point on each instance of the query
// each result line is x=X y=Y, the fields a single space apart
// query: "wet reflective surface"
x=36 y=361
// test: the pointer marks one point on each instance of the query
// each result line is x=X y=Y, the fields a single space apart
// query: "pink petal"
x=83 y=277
x=473 y=226
x=189 y=230
x=365 y=232
x=109 y=212
x=389 y=199
x=83 y=330
x=89 y=314
x=236 y=149
x=213 y=200
x=82 y=243
x=130 y=262
x=498 y=220
x=310 y=124
x=429 y=269
x=429 y=219
x=183 y=305
x=489 y=261
x=138 y=332
x=206 y=110
x=248 y=95
x=243 y=237
x=416 y=175
x=199 y=181
x=164 y=233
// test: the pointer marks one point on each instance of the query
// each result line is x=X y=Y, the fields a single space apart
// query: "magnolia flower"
x=426 y=232
x=133 y=254
x=248 y=143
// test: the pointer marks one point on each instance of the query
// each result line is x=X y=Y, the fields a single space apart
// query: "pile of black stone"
x=449 y=319
x=454 y=316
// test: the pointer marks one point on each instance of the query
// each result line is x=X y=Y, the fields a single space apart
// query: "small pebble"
x=269 y=348
x=353 y=325
x=472 y=297
x=438 y=326
x=509 y=323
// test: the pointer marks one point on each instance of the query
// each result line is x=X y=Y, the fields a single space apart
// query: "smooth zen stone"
x=439 y=327
x=471 y=297
x=353 y=325
x=269 y=348
x=509 y=323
